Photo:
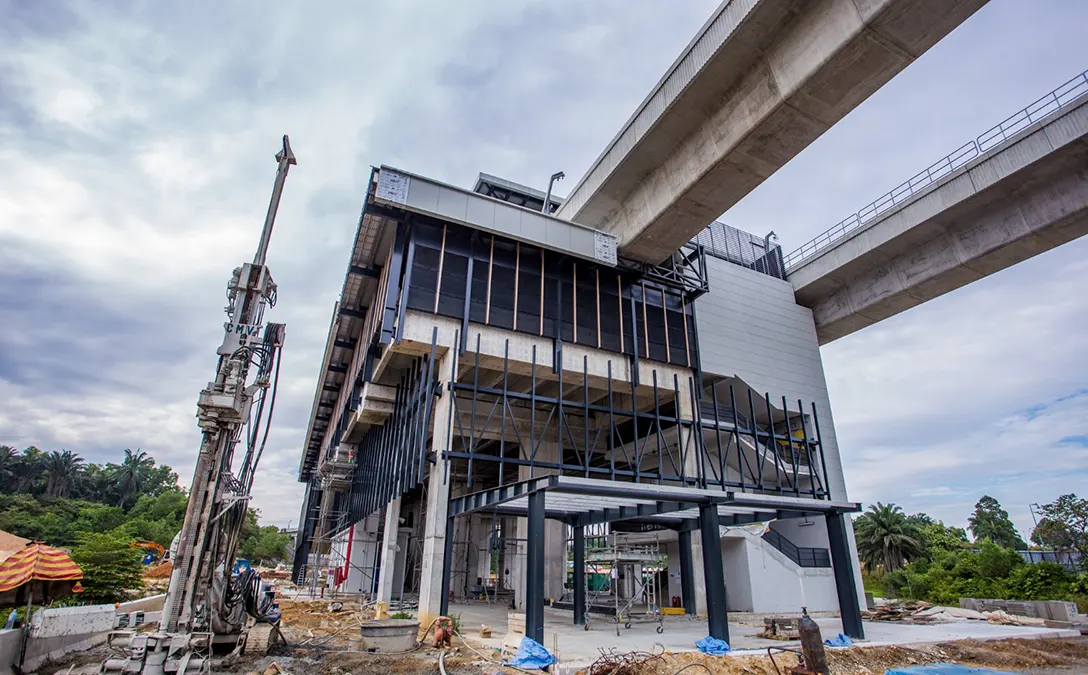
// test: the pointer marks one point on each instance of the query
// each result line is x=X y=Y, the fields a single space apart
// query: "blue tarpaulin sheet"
x=532 y=656
x=840 y=640
x=712 y=646
x=944 y=669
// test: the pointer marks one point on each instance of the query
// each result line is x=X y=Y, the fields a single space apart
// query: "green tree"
x=938 y=539
x=9 y=460
x=1069 y=515
x=886 y=538
x=112 y=568
x=268 y=545
x=1053 y=535
x=132 y=474
x=990 y=521
x=62 y=471
x=29 y=471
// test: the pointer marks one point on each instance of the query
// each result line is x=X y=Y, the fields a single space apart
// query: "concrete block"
x=69 y=621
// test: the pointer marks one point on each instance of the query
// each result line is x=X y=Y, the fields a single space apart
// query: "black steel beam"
x=713 y=574
x=331 y=387
x=489 y=498
x=534 y=569
x=845 y=584
x=372 y=272
x=687 y=572
x=337 y=368
x=611 y=515
x=579 y=575
x=345 y=344
x=353 y=313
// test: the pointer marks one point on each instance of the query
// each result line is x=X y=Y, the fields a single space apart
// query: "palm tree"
x=9 y=459
x=886 y=537
x=61 y=468
x=28 y=470
x=130 y=475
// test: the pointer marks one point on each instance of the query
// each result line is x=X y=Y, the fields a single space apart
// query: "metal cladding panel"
x=423 y=195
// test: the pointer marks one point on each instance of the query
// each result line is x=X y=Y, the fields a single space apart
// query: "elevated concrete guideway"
x=759 y=83
x=1026 y=196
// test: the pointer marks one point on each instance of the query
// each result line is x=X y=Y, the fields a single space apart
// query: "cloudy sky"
x=136 y=144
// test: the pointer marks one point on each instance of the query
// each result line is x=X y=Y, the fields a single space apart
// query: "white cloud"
x=138 y=144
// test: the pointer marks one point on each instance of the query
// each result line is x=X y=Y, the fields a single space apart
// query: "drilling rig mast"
x=206 y=603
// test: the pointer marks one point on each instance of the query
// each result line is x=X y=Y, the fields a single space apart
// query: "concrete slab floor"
x=579 y=647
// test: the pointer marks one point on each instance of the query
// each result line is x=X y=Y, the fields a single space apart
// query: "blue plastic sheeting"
x=531 y=656
x=944 y=669
x=713 y=646
x=840 y=640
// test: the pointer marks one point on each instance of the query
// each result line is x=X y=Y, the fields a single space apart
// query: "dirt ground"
x=323 y=639
x=1069 y=656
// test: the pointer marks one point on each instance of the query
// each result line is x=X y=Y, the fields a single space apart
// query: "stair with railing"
x=802 y=556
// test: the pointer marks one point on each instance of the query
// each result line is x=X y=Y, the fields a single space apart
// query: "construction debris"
x=613 y=662
x=781 y=628
x=923 y=612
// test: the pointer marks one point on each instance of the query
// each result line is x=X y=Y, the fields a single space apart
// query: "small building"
x=498 y=384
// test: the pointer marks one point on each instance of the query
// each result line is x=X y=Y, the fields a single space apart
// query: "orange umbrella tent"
x=57 y=574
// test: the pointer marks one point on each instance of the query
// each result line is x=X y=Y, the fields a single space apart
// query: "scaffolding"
x=627 y=574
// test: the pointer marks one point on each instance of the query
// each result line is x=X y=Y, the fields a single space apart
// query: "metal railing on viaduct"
x=1061 y=97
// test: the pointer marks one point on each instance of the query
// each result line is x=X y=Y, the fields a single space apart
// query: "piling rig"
x=206 y=603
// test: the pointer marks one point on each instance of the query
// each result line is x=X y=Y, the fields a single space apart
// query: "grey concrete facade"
x=751 y=327
x=759 y=83
x=1026 y=197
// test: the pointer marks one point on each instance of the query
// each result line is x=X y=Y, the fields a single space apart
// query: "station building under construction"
x=498 y=387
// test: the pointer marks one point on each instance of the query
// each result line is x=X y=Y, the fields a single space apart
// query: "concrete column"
x=687 y=572
x=364 y=548
x=388 y=565
x=438 y=497
x=555 y=540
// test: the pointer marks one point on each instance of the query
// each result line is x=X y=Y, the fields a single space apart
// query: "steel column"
x=713 y=573
x=579 y=575
x=845 y=584
x=534 y=569
x=687 y=572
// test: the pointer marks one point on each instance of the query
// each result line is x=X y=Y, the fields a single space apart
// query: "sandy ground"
x=324 y=642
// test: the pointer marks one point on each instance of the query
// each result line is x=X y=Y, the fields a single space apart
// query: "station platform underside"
x=585 y=502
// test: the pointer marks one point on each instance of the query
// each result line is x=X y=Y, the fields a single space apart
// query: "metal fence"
x=992 y=138
x=742 y=248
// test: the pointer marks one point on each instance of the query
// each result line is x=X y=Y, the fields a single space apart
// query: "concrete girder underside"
x=1002 y=209
x=761 y=82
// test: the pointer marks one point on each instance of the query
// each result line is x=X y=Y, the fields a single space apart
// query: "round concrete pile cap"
x=389 y=635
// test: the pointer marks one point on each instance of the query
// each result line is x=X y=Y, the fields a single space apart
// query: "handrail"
x=802 y=556
x=987 y=141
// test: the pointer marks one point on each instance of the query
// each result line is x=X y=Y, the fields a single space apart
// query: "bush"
x=112 y=569
x=1042 y=581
